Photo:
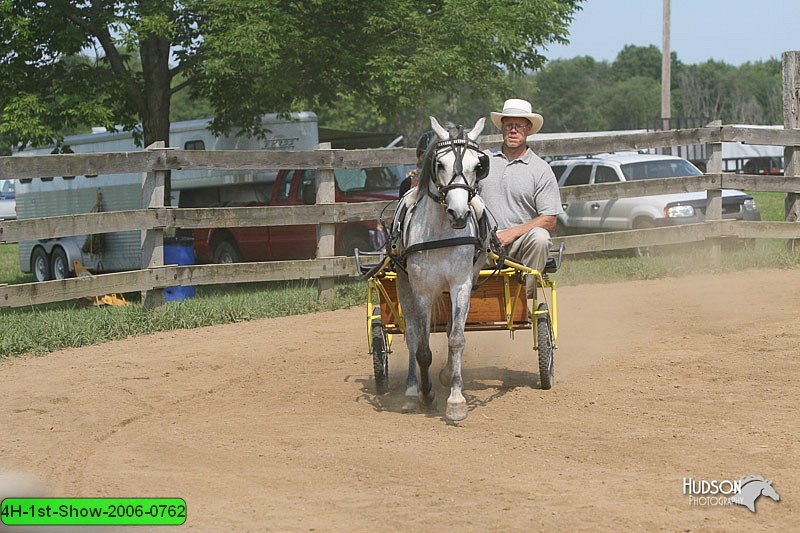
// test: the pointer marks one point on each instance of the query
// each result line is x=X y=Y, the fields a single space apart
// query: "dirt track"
x=273 y=425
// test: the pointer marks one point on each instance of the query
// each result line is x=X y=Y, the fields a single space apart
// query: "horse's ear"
x=477 y=129
x=440 y=131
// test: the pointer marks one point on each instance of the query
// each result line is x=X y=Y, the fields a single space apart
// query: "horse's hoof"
x=411 y=404
x=426 y=400
x=445 y=377
x=456 y=411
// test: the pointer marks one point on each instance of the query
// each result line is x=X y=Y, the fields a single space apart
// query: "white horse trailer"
x=71 y=195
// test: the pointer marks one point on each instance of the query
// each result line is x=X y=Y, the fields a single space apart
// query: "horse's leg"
x=412 y=388
x=445 y=374
x=424 y=359
x=456 y=404
x=417 y=329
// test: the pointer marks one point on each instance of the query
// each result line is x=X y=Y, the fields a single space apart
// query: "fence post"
x=153 y=189
x=326 y=233
x=791 y=120
x=714 y=196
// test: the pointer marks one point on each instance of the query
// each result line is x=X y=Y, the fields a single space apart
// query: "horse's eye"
x=439 y=166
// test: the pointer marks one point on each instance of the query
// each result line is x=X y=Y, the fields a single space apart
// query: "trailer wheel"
x=380 y=357
x=40 y=264
x=59 y=265
x=545 y=338
x=226 y=252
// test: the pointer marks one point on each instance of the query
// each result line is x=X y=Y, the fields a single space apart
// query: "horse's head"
x=452 y=167
x=769 y=491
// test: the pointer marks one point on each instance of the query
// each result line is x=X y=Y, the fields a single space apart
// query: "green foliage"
x=568 y=96
x=631 y=102
x=63 y=64
x=582 y=94
x=637 y=61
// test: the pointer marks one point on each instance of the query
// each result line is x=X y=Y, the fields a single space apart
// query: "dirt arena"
x=273 y=424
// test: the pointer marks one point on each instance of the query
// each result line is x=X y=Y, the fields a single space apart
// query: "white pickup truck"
x=643 y=211
x=8 y=202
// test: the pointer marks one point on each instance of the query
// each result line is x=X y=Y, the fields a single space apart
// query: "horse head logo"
x=752 y=488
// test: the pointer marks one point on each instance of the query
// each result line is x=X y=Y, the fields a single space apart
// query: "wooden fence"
x=154 y=219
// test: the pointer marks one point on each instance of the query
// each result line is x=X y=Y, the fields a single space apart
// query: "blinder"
x=459 y=148
x=482 y=170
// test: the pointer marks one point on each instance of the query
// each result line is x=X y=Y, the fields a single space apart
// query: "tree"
x=569 y=94
x=64 y=62
x=631 y=61
x=631 y=103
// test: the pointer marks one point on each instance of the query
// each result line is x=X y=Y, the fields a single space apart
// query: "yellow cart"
x=498 y=303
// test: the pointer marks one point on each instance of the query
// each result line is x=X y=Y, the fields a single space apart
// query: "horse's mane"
x=745 y=480
x=428 y=158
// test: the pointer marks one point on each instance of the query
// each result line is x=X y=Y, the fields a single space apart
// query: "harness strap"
x=443 y=243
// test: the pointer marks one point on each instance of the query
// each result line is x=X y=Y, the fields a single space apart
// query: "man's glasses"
x=509 y=126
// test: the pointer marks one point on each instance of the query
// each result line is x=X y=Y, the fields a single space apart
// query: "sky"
x=733 y=31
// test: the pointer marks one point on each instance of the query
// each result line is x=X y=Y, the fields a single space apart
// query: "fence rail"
x=159 y=219
x=153 y=220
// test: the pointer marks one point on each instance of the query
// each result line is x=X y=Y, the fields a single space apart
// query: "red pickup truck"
x=291 y=187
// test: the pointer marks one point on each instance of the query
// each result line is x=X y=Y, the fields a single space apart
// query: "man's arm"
x=509 y=235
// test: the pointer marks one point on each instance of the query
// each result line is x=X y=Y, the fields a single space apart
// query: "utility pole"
x=666 y=80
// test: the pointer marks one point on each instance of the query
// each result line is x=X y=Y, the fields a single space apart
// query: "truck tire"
x=59 y=264
x=40 y=264
x=226 y=251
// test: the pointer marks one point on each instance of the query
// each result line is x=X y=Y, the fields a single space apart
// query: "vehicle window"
x=579 y=175
x=558 y=170
x=285 y=187
x=605 y=174
x=763 y=165
x=667 y=168
x=361 y=179
x=197 y=144
x=307 y=187
x=7 y=188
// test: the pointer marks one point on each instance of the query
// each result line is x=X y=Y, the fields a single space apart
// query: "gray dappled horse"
x=443 y=252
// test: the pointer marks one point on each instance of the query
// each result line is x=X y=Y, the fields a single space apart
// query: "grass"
x=9 y=266
x=56 y=326
x=610 y=268
x=770 y=204
x=50 y=327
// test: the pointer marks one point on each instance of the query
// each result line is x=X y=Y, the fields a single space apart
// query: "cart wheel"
x=380 y=357
x=545 y=338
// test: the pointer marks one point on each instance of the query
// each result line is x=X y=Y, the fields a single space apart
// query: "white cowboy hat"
x=514 y=107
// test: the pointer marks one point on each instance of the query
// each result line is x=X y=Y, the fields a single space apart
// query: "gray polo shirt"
x=516 y=192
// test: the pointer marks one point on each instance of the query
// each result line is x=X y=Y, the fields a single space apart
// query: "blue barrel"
x=179 y=251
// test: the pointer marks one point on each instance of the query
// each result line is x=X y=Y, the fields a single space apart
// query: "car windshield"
x=664 y=168
x=7 y=188
x=365 y=179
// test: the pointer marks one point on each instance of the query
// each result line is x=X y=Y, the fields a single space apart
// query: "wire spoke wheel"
x=380 y=357
x=546 y=348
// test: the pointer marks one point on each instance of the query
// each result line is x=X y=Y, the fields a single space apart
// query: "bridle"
x=459 y=148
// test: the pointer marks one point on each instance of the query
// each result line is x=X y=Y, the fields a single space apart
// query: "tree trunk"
x=155 y=111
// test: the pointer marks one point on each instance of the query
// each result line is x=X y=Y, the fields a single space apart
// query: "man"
x=521 y=191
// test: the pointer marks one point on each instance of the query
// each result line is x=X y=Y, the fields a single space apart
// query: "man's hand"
x=507 y=236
